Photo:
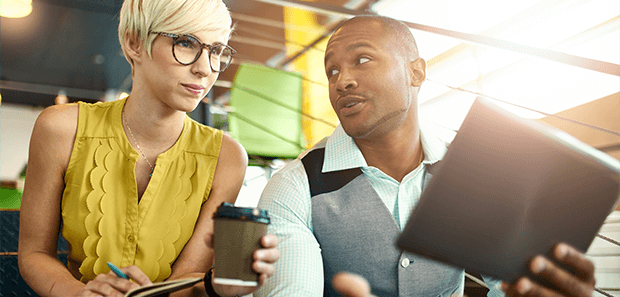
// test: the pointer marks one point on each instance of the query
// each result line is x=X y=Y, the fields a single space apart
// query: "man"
x=340 y=206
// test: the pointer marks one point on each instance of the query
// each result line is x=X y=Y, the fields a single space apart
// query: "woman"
x=136 y=181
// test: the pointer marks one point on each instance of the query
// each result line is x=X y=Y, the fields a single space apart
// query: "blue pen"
x=117 y=271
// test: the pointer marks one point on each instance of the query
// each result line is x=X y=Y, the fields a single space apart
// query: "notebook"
x=163 y=288
x=510 y=188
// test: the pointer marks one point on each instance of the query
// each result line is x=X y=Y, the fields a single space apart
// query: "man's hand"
x=351 y=285
x=579 y=284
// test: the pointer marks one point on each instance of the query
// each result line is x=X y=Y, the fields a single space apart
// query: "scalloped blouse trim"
x=176 y=215
x=91 y=266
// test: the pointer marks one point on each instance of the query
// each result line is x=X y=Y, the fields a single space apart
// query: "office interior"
x=552 y=61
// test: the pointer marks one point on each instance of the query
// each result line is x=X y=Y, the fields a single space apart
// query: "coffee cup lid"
x=229 y=211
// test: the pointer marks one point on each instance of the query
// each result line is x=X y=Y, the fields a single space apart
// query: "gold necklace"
x=137 y=145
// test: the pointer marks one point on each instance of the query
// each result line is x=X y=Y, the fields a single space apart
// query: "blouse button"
x=131 y=238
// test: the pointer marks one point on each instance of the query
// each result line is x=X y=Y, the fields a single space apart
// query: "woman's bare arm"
x=49 y=153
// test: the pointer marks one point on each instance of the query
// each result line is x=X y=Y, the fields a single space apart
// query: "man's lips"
x=350 y=104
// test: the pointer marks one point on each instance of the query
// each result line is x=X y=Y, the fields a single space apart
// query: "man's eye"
x=332 y=72
x=362 y=60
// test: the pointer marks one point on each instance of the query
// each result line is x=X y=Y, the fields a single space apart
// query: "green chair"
x=10 y=198
x=266 y=111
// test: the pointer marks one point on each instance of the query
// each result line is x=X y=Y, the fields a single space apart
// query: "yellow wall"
x=310 y=65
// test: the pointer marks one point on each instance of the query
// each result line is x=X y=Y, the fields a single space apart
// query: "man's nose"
x=346 y=81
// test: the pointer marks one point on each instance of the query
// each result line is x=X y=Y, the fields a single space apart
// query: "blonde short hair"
x=140 y=17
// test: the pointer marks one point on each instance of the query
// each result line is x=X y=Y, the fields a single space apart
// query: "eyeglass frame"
x=202 y=46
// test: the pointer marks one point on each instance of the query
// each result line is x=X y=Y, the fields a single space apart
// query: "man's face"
x=369 y=82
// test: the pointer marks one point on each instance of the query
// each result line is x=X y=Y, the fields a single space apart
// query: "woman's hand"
x=264 y=260
x=579 y=283
x=109 y=284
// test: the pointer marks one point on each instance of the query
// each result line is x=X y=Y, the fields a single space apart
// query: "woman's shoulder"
x=54 y=133
x=230 y=148
x=58 y=120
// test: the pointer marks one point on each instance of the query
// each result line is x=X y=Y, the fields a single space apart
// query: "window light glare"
x=122 y=95
x=15 y=8
x=585 y=28
x=553 y=25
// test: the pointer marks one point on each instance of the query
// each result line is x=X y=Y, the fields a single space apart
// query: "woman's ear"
x=417 y=69
x=133 y=46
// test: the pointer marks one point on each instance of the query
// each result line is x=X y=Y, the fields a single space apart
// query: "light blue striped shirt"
x=299 y=272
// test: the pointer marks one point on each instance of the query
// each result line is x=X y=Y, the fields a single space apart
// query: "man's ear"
x=417 y=70
x=133 y=46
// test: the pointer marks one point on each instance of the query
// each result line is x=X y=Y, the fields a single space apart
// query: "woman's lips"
x=194 y=89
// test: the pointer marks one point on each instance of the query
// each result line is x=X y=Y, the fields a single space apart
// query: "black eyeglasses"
x=186 y=49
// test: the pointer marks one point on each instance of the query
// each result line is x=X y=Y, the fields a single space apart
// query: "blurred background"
x=555 y=61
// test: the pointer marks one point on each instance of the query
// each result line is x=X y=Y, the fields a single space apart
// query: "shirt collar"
x=342 y=153
x=434 y=147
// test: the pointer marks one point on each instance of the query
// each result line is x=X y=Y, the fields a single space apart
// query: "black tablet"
x=510 y=188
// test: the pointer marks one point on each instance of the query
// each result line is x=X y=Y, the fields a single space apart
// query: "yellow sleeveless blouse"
x=101 y=217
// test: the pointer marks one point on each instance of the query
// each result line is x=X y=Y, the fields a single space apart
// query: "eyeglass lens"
x=187 y=50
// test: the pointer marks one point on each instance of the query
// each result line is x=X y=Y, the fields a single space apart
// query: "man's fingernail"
x=538 y=265
x=503 y=286
x=524 y=286
x=560 y=251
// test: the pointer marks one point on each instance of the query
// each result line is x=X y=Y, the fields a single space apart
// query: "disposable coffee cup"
x=237 y=235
